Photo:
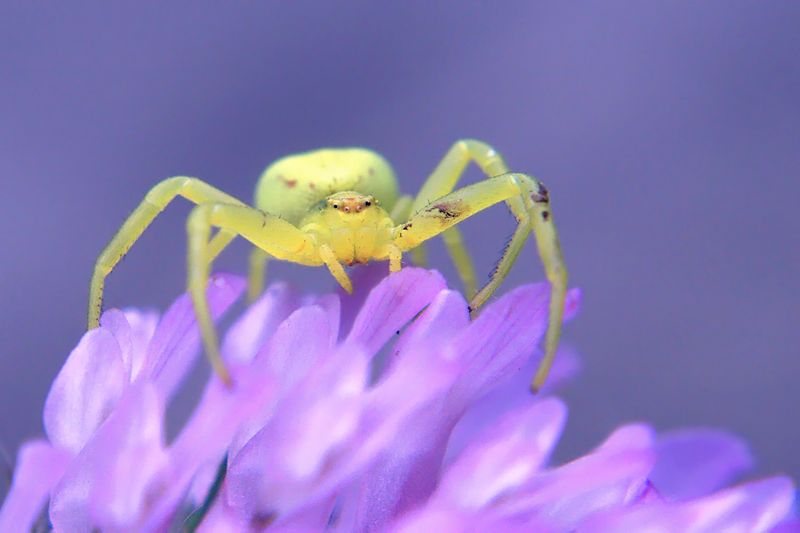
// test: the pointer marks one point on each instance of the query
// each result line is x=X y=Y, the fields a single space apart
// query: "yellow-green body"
x=338 y=207
x=291 y=185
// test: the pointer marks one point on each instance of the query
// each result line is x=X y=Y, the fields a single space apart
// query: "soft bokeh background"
x=668 y=134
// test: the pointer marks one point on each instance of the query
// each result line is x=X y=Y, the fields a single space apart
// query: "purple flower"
x=389 y=410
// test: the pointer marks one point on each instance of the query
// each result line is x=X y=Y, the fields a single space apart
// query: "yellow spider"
x=342 y=206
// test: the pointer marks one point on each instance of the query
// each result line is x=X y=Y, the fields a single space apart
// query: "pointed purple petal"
x=502 y=337
x=278 y=470
x=143 y=326
x=39 y=467
x=133 y=330
x=392 y=304
x=758 y=506
x=416 y=413
x=500 y=342
x=222 y=414
x=299 y=343
x=295 y=348
x=510 y=393
x=408 y=477
x=504 y=458
x=115 y=322
x=429 y=334
x=111 y=479
x=611 y=477
x=176 y=340
x=695 y=462
x=439 y=519
x=249 y=333
x=364 y=279
x=406 y=421
x=226 y=418
x=85 y=391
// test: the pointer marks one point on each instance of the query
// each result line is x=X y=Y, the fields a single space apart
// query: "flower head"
x=391 y=410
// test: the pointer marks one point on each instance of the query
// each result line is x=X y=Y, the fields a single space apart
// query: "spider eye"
x=336 y=206
x=367 y=203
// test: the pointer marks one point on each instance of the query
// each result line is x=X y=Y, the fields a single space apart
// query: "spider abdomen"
x=289 y=187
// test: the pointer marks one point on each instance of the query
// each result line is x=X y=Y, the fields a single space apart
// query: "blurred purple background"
x=667 y=134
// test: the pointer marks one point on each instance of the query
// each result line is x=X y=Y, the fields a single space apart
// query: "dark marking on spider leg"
x=446 y=208
x=545 y=215
x=542 y=195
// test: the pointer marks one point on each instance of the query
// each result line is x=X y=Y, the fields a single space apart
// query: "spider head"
x=347 y=210
x=352 y=223
x=351 y=204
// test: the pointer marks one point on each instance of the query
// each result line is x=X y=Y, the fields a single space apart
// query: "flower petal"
x=133 y=330
x=695 y=462
x=318 y=434
x=407 y=419
x=115 y=322
x=501 y=338
x=85 y=391
x=392 y=304
x=279 y=471
x=416 y=392
x=300 y=342
x=364 y=278
x=115 y=474
x=510 y=393
x=758 y=506
x=249 y=333
x=429 y=334
x=226 y=418
x=39 y=467
x=611 y=477
x=457 y=520
x=143 y=326
x=176 y=340
x=503 y=459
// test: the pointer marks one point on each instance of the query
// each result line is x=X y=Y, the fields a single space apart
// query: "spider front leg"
x=154 y=202
x=441 y=182
x=275 y=236
x=530 y=203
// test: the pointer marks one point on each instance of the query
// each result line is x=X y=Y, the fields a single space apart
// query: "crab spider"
x=337 y=207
